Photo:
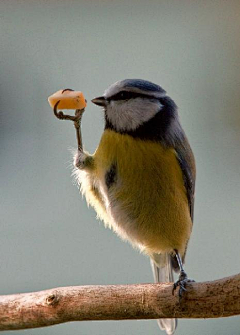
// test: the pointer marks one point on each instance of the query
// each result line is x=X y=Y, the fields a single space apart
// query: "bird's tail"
x=163 y=273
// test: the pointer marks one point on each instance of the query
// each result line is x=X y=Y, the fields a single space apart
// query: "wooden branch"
x=220 y=298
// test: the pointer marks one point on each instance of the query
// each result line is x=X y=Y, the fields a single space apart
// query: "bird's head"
x=130 y=103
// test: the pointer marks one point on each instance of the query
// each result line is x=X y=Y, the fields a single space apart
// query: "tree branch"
x=220 y=298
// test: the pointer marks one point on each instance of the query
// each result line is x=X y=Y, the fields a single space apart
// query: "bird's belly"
x=156 y=222
x=147 y=203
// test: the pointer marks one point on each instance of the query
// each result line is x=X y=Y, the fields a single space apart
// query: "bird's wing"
x=186 y=161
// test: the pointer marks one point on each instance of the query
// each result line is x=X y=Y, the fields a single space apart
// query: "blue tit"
x=141 y=178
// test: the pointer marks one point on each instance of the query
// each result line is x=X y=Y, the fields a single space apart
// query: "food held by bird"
x=69 y=99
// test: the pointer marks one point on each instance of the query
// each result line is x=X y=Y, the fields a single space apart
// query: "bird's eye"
x=124 y=95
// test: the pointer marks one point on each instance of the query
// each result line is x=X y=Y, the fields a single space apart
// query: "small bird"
x=141 y=178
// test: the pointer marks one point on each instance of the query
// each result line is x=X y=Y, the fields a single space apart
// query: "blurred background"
x=48 y=236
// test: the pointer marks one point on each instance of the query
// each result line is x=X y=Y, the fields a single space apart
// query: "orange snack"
x=69 y=99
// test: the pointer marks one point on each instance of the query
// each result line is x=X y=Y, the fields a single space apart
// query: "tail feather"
x=163 y=273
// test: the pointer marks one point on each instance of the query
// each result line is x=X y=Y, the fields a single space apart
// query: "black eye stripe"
x=124 y=95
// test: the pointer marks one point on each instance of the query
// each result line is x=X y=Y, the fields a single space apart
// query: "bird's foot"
x=181 y=282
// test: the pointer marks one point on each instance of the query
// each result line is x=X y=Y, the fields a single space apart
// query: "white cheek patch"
x=130 y=114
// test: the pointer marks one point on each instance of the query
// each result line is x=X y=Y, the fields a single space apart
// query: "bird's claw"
x=181 y=282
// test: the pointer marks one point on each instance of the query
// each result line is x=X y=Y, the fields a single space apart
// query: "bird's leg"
x=82 y=159
x=183 y=278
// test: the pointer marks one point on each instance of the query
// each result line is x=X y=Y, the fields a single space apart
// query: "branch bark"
x=219 y=298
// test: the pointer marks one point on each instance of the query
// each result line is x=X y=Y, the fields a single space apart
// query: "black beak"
x=100 y=101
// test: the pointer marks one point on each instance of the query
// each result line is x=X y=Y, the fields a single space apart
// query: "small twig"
x=76 y=119
x=219 y=298
x=67 y=89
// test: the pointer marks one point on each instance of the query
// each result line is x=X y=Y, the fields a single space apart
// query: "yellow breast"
x=148 y=204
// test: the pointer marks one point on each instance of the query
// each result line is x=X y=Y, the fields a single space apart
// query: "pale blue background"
x=48 y=236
